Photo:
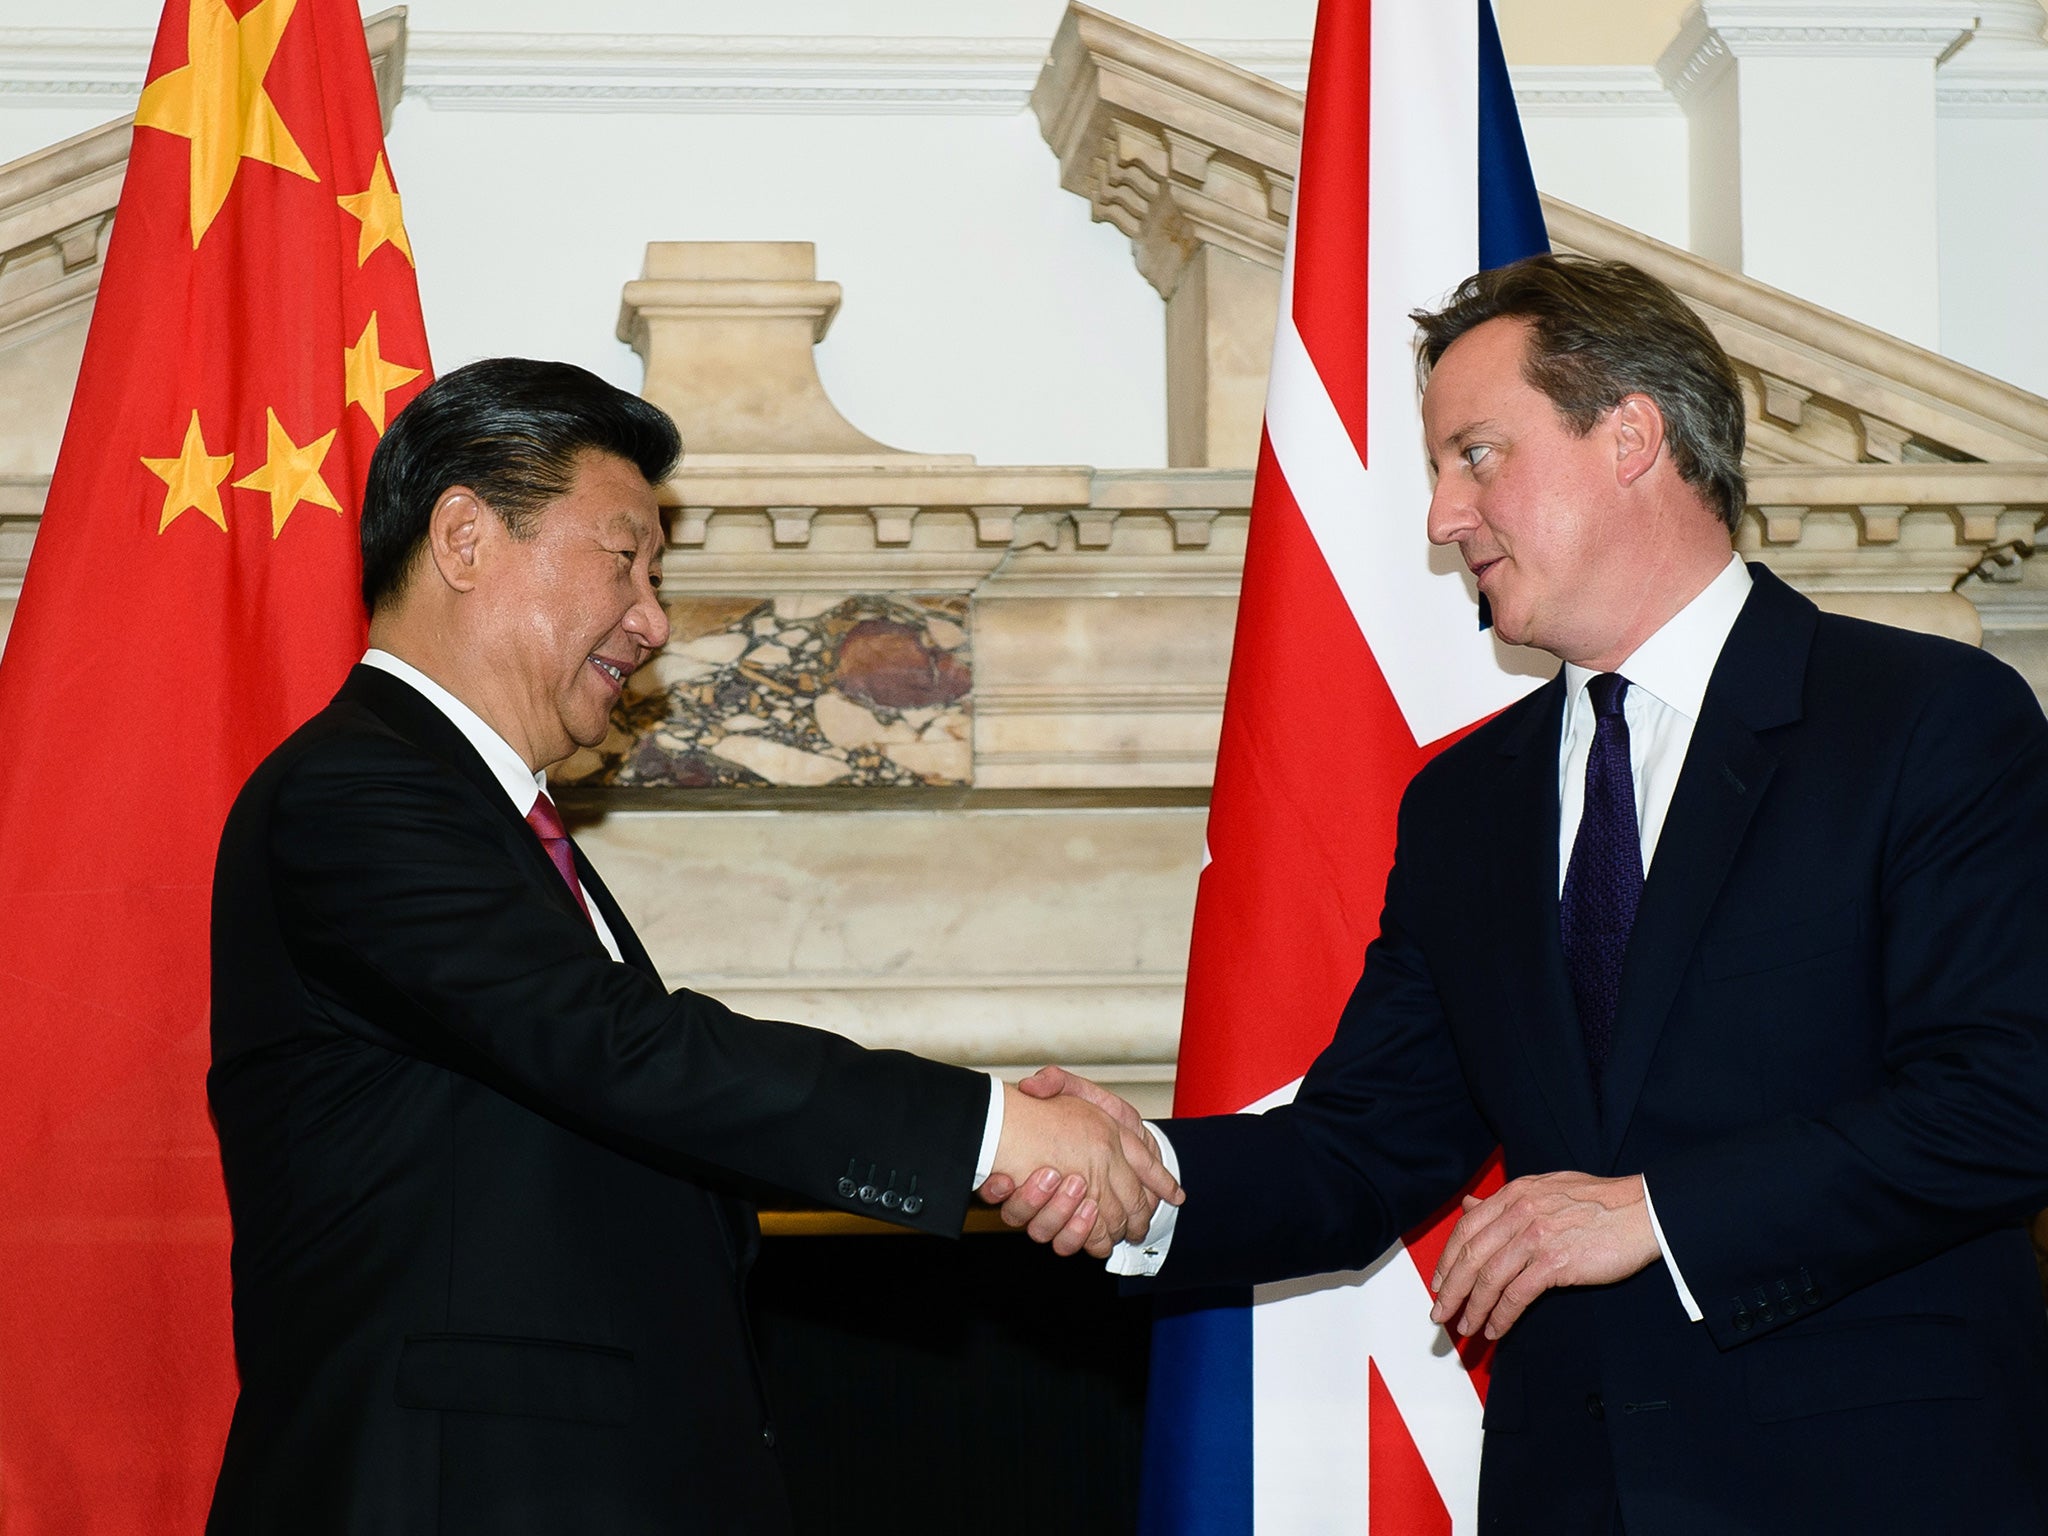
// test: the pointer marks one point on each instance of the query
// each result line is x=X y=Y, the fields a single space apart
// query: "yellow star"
x=368 y=377
x=383 y=219
x=217 y=101
x=291 y=474
x=192 y=480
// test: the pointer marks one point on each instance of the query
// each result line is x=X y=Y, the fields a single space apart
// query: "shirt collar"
x=1675 y=664
x=522 y=784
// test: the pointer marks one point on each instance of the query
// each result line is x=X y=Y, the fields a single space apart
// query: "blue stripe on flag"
x=1198 y=1418
x=1510 y=215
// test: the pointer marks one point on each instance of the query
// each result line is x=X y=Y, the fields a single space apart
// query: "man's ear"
x=456 y=530
x=1638 y=426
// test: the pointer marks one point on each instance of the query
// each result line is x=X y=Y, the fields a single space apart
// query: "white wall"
x=1994 y=245
x=983 y=312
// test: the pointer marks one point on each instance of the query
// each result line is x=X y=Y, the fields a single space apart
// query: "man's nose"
x=647 y=620
x=1451 y=513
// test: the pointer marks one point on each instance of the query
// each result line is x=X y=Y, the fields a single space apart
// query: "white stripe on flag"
x=1415 y=611
x=1313 y=1342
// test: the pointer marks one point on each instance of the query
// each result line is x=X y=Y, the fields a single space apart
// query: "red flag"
x=192 y=597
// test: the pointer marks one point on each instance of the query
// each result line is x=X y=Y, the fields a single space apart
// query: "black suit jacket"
x=486 y=1275
x=1830 y=1061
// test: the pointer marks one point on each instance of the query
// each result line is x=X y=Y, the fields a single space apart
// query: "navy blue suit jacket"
x=1830 y=1062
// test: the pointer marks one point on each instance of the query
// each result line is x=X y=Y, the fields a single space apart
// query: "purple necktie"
x=1604 y=882
x=546 y=822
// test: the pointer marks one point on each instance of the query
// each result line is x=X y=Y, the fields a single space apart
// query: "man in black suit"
x=487 y=1174
x=1729 y=936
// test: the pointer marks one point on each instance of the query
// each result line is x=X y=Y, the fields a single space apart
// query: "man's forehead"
x=1481 y=365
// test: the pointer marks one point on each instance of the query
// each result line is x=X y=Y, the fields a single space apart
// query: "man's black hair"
x=510 y=429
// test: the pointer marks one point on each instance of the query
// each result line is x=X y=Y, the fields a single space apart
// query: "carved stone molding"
x=1194 y=160
x=658 y=72
x=1597 y=90
x=1173 y=147
x=87 y=67
x=1716 y=32
x=726 y=329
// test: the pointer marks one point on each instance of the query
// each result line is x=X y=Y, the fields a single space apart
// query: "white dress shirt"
x=524 y=786
x=1667 y=676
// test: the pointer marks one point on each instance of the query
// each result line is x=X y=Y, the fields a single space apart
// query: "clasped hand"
x=1533 y=1233
x=1075 y=1165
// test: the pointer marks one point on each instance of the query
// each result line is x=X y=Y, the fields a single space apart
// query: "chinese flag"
x=192 y=597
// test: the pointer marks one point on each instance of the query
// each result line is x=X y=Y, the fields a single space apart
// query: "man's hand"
x=1072 y=1213
x=1536 y=1232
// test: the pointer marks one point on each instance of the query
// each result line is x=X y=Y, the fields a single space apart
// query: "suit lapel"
x=1541 y=1014
x=631 y=950
x=415 y=717
x=1756 y=686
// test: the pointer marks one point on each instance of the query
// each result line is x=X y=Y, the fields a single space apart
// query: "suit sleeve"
x=411 y=918
x=1954 y=1140
x=1382 y=1132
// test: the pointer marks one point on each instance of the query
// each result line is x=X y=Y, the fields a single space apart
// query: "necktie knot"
x=1607 y=690
x=546 y=820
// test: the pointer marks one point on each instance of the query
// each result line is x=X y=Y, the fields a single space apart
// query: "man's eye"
x=1474 y=453
x=654 y=579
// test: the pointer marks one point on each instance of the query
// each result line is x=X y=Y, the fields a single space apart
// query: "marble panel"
x=800 y=689
x=999 y=938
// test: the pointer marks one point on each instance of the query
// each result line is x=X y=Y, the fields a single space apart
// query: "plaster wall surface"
x=1993 y=200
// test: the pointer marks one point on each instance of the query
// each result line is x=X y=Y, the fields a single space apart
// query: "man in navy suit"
x=1729 y=938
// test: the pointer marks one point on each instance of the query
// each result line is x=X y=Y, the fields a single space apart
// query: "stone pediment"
x=1876 y=467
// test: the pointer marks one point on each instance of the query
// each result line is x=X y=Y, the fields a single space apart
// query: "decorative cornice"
x=1852 y=28
x=610 y=72
x=1714 y=33
x=1997 y=84
x=1595 y=90
x=1174 y=148
x=103 y=67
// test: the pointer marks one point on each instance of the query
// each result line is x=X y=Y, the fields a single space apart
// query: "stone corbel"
x=1194 y=160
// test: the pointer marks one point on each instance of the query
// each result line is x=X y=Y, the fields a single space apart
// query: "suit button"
x=891 y=1200
x=847 y=1188
x=1594 y=1406
x=768 y=1436
x=912 y=1204
x=869 y=1194
x=1742 y=1322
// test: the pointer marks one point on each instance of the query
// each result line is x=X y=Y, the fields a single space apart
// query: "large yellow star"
x=192 y=480
x=217 y=101
x=368 y=378
x=383 y=220
x=291 y=474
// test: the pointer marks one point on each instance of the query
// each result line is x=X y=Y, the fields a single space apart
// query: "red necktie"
x=546 y=822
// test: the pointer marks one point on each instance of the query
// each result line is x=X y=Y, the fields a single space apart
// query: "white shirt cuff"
x=1146 y=1257
x=991 y=1133
x=1692 y=1308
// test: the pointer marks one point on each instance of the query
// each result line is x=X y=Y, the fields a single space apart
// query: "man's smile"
x=613 y=672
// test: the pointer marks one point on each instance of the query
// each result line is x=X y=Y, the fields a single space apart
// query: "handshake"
x=1075 y=1165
